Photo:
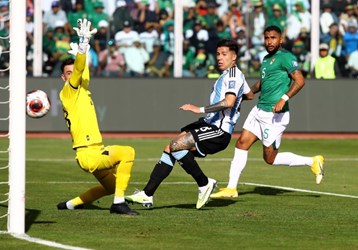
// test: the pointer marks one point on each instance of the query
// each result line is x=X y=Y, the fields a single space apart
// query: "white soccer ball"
x=37 y=104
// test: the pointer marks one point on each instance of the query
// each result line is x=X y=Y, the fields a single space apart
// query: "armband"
x=202 y=110
x=285 y=97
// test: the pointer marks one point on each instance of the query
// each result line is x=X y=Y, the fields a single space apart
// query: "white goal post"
x=17 y=121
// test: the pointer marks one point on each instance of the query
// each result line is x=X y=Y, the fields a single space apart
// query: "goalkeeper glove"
x=84 y=33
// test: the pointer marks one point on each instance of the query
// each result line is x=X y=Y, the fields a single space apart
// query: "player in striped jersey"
x=208 y=135
x=280 y=80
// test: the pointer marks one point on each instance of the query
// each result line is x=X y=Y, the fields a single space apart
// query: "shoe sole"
x=143 y=204
x=224 y=196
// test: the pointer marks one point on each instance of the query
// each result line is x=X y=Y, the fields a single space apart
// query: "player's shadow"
x=273 y=192
x=265 y=191
x=211 y=203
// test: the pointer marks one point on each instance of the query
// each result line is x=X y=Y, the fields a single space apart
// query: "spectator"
x=158 y=64
x=243 y=54
x=213 y=73
x=278 y=18
x=146 y=16
x=353 y=64
x=163 y=17
x=89 y=5
x=55 y=14
x=125 y=37
x=77 y=13
x=62 y=45
x=98 y=15
x=152 y=4
x=339 y=6
x=350 y=38
x=234 y=19
x=303 y=57
x=29 y=42
x=189 y=19
x=121 y=13
x=167 y=37
x=29 y=26
x=254 y=67
x=101 y=38
x=222 y=31
x=347 y=16
x=211 y=17
x=324 y=67
x=188 y=58
x=256 y=25
x=201 y=10
x=49 y=48
x=270 y=11
x=305 y=37
x=327 y=18
x=298 y=19
x=168 y=5
x=202 y=61
x=149 y=36
x=136 y=57
x=335 y=43
x=111 y=61
x=66 y=5
x=198 y=34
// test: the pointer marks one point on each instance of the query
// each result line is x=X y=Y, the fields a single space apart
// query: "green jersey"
x=275 y=78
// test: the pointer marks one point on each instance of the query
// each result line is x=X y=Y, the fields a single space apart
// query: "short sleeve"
x=289 y=63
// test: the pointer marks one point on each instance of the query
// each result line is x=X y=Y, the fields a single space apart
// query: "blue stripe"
x=166 y=159
x=179 y=154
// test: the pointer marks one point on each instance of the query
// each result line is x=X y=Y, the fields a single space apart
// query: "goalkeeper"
x=111 y=165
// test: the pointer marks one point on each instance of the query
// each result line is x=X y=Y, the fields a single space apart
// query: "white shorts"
x=267 y=126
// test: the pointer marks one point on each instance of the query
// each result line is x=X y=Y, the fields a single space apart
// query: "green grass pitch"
x=262 y=217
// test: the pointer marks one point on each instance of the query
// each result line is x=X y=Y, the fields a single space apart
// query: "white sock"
x=291 y=159
x=238 y=164
x=118 y=200
x=69 y=205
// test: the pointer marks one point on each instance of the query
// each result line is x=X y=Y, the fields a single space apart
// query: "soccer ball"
x=37 y=104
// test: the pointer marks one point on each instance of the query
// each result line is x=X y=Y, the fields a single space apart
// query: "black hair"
x=231 y=44
x=273 y=28
x=68 y=61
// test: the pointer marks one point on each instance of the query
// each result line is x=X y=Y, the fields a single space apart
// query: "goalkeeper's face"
x=67 y=72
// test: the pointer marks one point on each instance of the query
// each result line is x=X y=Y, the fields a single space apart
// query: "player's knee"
x=269 y=160
x=130 y=152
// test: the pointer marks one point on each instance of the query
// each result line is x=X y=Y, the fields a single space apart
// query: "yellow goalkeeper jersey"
x=78 y=108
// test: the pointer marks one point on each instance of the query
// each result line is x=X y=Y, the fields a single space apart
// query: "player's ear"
x=63 y=77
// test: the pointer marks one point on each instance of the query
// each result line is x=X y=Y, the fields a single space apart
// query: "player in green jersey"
x=110 y=165
x=280 y=80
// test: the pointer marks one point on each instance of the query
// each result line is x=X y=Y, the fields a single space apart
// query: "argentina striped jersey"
x=231 y=81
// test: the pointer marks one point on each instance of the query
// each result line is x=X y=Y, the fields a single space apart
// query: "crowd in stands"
x=135 y=38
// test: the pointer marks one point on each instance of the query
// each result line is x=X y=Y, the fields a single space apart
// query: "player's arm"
x=80 y=74
x=227 y=102
x=298 y=81
x=256 y=87
x=297 y=84
x=78 y=68
x=248 y=94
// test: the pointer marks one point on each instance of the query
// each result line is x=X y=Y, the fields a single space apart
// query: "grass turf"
x=263 y=217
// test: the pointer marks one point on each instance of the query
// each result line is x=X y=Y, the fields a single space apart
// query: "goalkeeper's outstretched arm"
x=80 y=74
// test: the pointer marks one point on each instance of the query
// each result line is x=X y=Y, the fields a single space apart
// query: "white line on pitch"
x=299 y=190
x=156 y=159
x=193 y=183
x=46 y=242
